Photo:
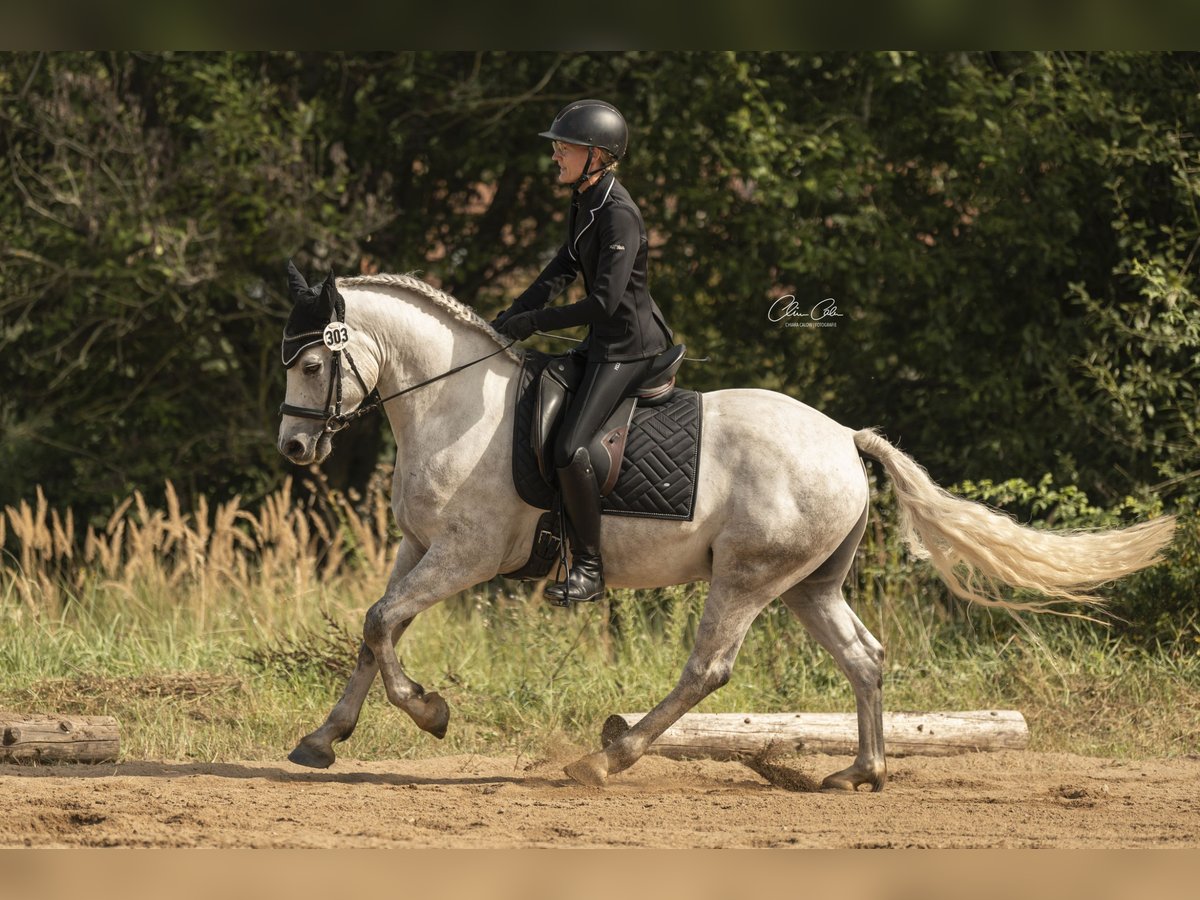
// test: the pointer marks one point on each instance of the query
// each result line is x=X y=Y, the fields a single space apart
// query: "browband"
x=297 y=344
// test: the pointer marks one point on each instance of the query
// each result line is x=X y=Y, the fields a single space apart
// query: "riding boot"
x=581 y=500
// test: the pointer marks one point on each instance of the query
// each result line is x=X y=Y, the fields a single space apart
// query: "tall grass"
x=223 y=632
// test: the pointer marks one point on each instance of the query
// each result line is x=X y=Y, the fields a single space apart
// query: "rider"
x=606 y=241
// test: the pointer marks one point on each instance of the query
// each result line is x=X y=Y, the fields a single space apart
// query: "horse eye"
x=312 y=368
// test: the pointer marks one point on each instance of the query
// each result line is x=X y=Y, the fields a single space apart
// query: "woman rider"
x=606 y=241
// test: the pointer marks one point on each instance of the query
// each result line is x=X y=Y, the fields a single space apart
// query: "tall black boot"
x=581 y=500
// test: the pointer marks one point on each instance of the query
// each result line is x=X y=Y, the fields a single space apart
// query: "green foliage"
x=1158 y=605
x=1011 y=240
x=148 y=203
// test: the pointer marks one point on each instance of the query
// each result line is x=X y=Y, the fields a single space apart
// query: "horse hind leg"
x=728 y=613
x=818 y=603
x=825 y=613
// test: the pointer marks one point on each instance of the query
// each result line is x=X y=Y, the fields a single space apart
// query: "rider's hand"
x=500 y=317
x=519 y=326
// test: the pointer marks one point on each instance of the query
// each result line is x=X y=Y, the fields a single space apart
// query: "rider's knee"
x=570 y=453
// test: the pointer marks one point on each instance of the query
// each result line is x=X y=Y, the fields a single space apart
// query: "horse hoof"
x=431 y=713
x=590 y=771
x=306 y=754
x=852 y=778
x=838 y=782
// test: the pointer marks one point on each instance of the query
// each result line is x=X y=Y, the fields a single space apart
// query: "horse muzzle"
x=305 y=449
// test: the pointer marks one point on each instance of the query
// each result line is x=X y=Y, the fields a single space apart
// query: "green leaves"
x=1011 y=239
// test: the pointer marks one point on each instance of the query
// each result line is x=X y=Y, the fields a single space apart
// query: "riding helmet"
x=591 y=123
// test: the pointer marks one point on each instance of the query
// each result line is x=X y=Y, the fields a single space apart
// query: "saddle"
x=559 y=381
x=645 y=455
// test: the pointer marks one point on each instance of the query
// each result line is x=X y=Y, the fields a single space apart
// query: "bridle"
x=335 y=336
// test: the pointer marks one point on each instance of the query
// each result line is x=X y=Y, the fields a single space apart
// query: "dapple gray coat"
x=781 y=506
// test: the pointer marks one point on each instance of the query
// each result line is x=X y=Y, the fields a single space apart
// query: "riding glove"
x=519 y=326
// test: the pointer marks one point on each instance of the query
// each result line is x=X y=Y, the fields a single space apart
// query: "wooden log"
x=43 y=738
x=728 y=735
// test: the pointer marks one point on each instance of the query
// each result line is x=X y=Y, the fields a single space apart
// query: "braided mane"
x=456 y=310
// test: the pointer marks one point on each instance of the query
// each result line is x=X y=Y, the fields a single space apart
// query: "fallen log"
x=43 y=738
x=727 y=735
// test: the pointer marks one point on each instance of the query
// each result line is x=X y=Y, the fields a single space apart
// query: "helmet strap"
x=587 y=173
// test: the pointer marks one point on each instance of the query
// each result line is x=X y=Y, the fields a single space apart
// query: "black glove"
x=519 y=326
x=500 y=317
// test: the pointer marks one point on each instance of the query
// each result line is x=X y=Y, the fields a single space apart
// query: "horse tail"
x=976 y=549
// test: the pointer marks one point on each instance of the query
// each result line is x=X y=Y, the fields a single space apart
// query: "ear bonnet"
x=312 y=309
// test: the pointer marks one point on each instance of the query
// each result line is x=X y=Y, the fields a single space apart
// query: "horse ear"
x=329 y=284
x=329 y=292
x=297 y=286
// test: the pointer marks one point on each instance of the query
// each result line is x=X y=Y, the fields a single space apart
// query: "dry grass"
x=287 y=545
x=73 y=694
x=224 y=632
x=330 y=649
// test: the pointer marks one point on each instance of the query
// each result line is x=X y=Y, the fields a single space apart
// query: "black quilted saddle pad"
x=662 y=455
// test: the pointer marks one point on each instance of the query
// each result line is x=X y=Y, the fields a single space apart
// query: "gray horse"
x=781 y=505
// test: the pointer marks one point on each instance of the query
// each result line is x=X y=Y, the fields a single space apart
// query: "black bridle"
x=334 y=336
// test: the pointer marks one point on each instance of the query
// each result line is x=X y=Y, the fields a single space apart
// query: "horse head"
x=323 y=380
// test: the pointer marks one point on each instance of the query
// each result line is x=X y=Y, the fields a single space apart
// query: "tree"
x=1009 y=238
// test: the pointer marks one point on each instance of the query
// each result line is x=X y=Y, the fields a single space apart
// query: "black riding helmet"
x=592 y=124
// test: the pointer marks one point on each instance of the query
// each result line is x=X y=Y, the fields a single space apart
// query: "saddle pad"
x=662 y=455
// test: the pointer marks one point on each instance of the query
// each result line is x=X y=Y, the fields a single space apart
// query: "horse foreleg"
x=859 y=655
x=438 y=575
x=316 y=749
x=723 y=626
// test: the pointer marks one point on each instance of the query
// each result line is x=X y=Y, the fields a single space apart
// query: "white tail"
x=976 y=549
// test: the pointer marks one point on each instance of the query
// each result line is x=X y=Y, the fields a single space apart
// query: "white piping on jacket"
x=591 y=221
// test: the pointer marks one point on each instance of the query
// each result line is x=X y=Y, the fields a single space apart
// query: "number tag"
x=336 y=335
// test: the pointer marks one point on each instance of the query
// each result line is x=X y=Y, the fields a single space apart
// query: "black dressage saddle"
x=646 y=455
x=556 y=386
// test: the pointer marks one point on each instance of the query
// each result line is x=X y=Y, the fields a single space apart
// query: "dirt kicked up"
x=1004 y=799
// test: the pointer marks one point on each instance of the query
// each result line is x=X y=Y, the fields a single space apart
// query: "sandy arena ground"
x=1005 y=799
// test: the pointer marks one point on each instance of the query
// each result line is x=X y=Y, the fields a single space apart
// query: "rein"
x=335 y=336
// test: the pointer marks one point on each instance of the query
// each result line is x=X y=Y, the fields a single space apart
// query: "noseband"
x=336 y=336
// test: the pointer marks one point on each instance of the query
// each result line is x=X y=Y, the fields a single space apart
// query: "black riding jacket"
x=606 y=241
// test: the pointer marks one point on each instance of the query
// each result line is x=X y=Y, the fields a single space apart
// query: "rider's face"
x=571 y=159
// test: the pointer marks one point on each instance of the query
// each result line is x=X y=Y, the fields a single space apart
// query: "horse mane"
x=458 y=311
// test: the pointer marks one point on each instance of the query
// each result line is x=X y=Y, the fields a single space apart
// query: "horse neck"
x=412 y=340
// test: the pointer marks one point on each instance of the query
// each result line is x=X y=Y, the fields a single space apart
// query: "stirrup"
x=560 y=602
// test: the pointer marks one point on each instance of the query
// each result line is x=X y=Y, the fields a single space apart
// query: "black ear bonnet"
x=312 y=309
x=318 y=316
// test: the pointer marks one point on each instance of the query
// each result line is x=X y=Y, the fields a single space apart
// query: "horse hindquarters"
x=782 y=499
